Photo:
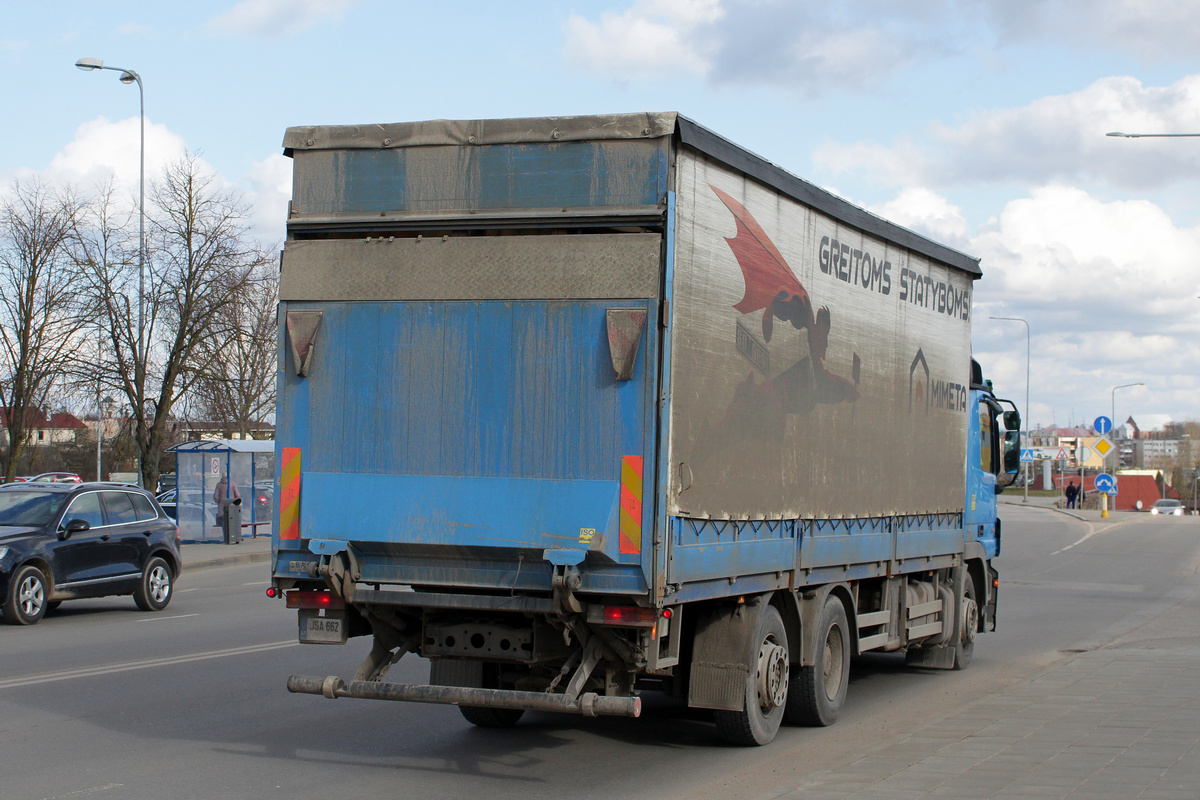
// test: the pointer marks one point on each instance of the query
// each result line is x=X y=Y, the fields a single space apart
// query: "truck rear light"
x=631 y=616
x=299 y=598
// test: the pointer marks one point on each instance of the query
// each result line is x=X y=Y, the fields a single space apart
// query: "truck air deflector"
x=447 y=179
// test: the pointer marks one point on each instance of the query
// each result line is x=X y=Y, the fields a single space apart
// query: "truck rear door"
x=469 y=403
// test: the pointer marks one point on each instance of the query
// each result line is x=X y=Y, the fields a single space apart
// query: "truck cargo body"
x=580 y=407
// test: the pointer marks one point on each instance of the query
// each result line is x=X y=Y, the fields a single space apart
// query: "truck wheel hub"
x=970 y=617
x=772 y=675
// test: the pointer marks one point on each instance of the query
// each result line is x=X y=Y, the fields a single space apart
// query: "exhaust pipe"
x=588 y=704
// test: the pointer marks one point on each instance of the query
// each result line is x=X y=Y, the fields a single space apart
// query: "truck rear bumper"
x=588 y=704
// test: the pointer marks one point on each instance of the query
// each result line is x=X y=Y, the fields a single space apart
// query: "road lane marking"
x=82 y=792
x=148 y=663
x=159 y=619
x=1092 y=530
x=1080 y=586
x=257 y=583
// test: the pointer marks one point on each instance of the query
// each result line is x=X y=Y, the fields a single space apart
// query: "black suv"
x=66 y=541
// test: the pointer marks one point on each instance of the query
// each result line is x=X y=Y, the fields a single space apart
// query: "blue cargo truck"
x=580 y=408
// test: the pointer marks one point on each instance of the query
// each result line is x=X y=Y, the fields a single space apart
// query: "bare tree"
x=237 y=388
x=199 y=260
x=41 y=315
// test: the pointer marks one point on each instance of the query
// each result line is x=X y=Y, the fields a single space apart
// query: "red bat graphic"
x=772 y=286
x=770 y=283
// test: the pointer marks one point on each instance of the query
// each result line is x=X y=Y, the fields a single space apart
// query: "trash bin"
x=231 y=520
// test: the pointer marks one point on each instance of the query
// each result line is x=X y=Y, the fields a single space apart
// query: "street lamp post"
x=129 y=76
x=1025 y=433
x=1116 y=451
x=1150 y=135
x=104 y=409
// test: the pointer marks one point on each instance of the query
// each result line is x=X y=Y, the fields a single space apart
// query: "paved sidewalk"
x=1121 y=721
x=206 y=555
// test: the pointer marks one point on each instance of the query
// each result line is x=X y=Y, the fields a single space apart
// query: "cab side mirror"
x=1012 y=420
x=74 y=526
x=1012 y=452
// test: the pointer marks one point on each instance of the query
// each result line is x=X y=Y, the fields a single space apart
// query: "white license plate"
x=315 y=629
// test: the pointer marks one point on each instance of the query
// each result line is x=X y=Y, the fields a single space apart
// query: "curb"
x=1047 y=508
x=225 y=561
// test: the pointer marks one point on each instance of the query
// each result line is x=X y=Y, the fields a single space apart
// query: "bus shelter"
x=249 y=468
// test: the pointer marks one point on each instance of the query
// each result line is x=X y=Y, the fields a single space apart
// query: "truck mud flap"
x=588 y=704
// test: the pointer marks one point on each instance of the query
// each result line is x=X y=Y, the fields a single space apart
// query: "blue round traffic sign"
x=1102 y=425
x=1106 y=484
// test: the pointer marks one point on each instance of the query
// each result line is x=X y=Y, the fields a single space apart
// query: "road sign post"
x=1106 y=485
x=1102 y=426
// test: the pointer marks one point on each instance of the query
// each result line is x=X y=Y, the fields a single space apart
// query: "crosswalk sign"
x=1027 y=454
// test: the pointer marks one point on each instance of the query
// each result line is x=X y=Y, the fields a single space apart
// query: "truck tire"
x=818 y=691
x=766 y=686
x=491 y=717
x=964 y=644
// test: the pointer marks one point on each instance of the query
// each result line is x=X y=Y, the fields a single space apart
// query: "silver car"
x=1173 y=507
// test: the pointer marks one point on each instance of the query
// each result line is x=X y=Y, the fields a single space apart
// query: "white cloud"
x=101 y=149
x=273 y=19
x=1056 y=138
x=1150 y=29
x=270 y=182
x=812 y=48
x=802 y=47
x=650 y=38
x=928 y=213
x=1109 y=290
x=1060 y=245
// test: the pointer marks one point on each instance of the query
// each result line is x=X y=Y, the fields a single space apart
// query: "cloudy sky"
x=978 y=122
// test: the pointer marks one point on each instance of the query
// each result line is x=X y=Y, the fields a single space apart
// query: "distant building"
x=200 y=431
x=58 y=428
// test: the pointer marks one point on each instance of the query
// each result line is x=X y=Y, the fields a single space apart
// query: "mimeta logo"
x=918 y=382
x=924 y=392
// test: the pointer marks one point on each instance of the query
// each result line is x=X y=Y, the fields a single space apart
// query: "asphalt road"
x=100 y=701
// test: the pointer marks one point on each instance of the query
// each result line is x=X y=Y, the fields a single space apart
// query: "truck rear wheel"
x=819 y=690
x=766 y=686
x=491 y=717
x=964 y=644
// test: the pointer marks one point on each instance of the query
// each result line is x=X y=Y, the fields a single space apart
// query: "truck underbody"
x=755 y=659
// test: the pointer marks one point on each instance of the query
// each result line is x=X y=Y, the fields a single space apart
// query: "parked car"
x=65 y=541
x=166 y=481
x=55 y=477
x=193 y=506
x=264 y=501
x=1172 y=507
